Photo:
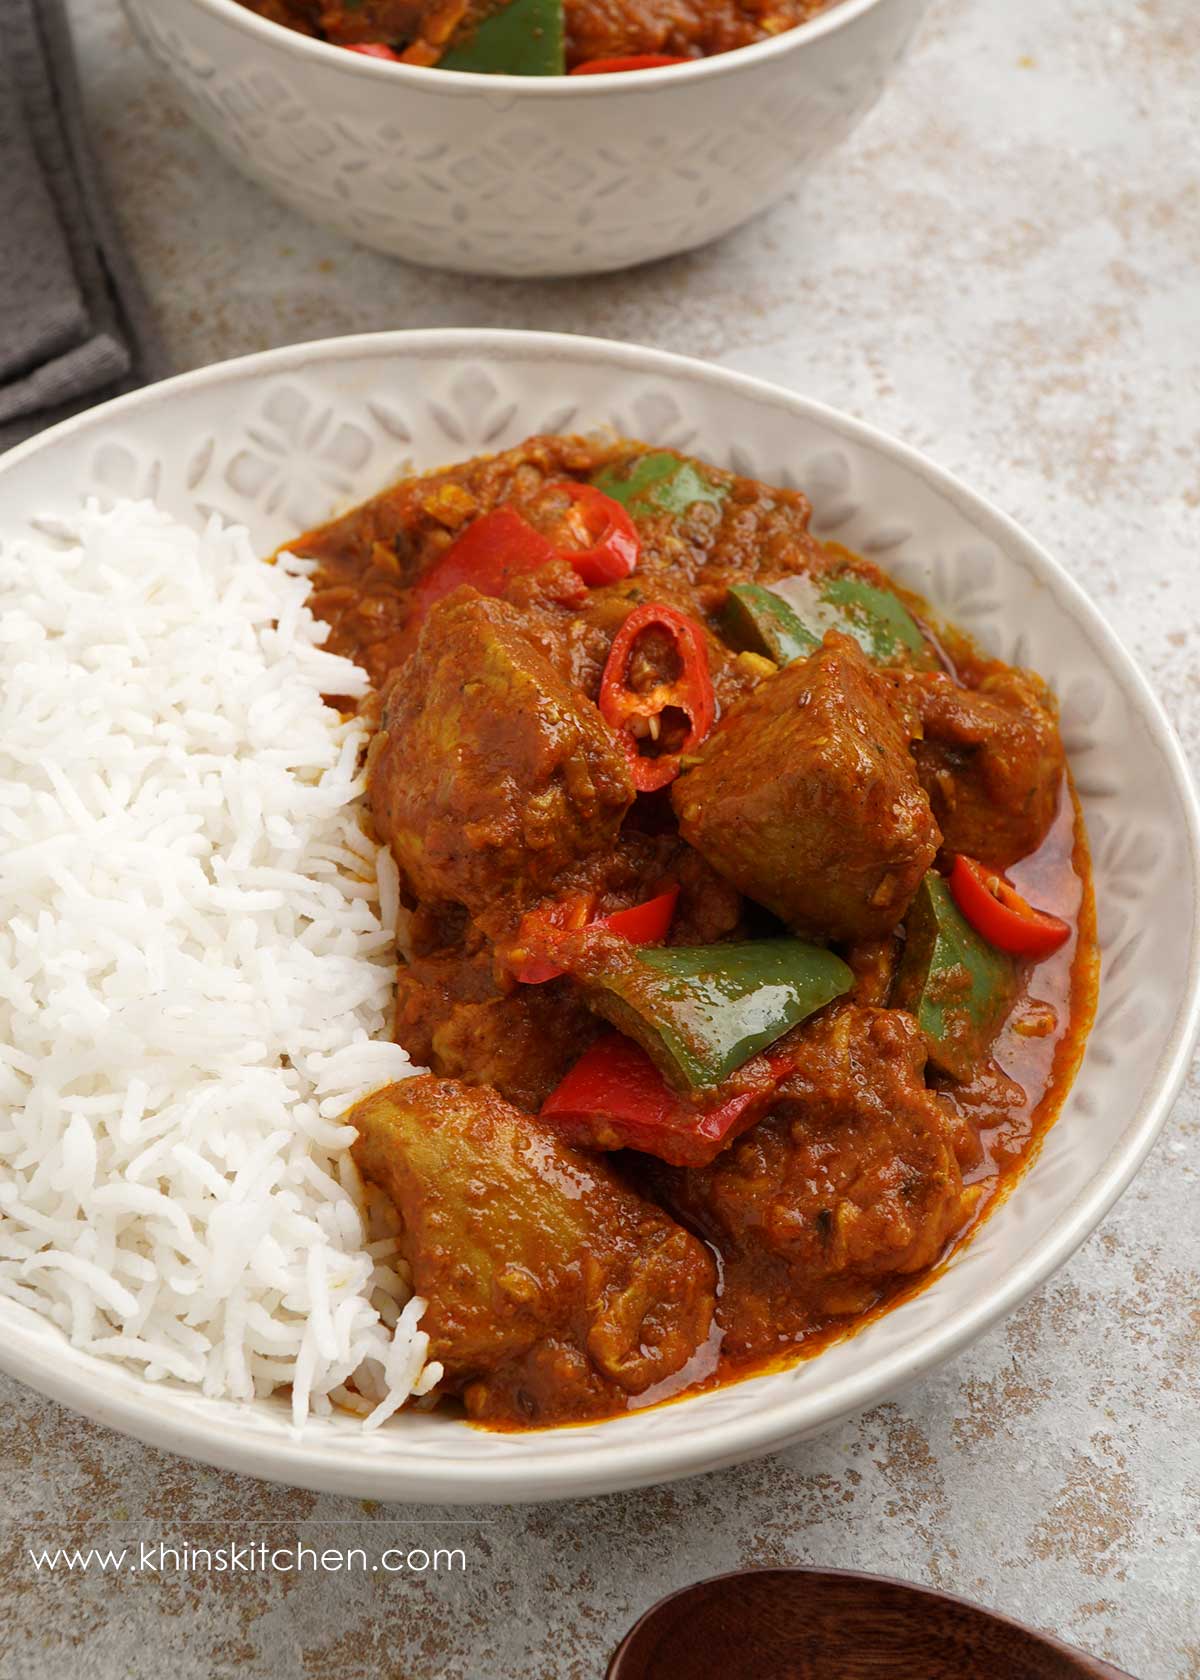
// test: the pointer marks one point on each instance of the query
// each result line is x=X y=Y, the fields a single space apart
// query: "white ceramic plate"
x=284 y=439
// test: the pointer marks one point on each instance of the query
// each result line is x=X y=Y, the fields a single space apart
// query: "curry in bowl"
x=746 y=924
x=540 y=37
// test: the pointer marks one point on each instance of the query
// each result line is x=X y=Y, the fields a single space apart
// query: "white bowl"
x=523 y=174
x=282 y=439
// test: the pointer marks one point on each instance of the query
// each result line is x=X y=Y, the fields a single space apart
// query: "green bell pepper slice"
x=956 y=983
x=659 y=483
x=524 y=38
x=701 y=1011
x=756 y=620
x=876 y=618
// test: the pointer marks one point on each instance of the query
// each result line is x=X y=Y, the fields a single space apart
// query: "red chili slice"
x=614 y=542
x=998 y=912
x=642 y=924
x=633 y=61
x=375 y=49
x=637 y=717
x=489 y=555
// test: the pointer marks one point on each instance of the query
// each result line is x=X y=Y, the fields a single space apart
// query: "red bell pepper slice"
x=632 y=61
x=614 y=545
x=638 y=717
x=998 y=912
x=375 y=49
x=615 y=1098
x=642 y=924
x=489 y=554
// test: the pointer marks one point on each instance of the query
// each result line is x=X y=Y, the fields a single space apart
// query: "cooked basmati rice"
x=194 y=972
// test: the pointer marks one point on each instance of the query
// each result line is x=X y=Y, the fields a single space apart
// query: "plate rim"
x=546 y=1474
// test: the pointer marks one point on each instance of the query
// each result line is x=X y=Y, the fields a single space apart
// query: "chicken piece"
x=807 y=799
x=490 y=774
x=853 y=1179
x=991 y=761
x=457 y=1015
x=554 y=1291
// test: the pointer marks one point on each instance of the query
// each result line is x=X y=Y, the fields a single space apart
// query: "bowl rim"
x=839 y=16
x=548 y=1472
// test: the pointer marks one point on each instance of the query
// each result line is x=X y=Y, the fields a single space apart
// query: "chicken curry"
x=540 y=37
x=747 y=927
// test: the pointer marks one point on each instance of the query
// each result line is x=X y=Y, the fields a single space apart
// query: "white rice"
x=195 y=977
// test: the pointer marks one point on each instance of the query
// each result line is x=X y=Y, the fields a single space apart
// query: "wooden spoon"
x=834 y=1624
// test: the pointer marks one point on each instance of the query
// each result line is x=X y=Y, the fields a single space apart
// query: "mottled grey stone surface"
x=1003 y=267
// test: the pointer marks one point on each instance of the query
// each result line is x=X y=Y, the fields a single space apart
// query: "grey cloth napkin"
x=75 y=327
